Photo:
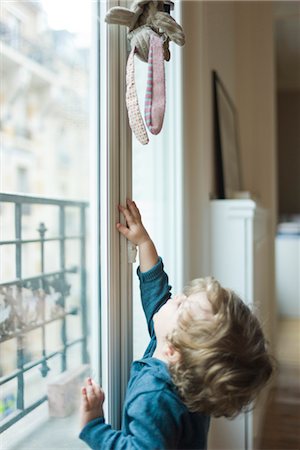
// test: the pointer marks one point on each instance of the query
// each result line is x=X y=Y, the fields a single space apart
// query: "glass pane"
x=152 y=190
x=44 y=164
x=44 y=98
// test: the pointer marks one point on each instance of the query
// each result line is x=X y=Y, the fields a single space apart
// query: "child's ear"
x=171 y=354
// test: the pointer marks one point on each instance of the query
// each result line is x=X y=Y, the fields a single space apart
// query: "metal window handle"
x=132 y=252
x=168 y=6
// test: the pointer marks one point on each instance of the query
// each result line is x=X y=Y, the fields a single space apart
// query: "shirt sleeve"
x=100 y=436
x=153 y=425
x=155 y=291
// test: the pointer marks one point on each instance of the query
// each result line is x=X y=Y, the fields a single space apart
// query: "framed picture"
x=226 y=141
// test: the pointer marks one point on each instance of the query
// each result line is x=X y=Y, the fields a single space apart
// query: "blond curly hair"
x=223 y=362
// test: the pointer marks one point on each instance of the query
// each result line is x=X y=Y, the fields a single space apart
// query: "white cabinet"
x=239 y=260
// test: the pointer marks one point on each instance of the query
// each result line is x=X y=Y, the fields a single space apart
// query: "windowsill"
x=38 y=430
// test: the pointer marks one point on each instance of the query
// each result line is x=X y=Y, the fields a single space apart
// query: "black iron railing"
x=17 y=319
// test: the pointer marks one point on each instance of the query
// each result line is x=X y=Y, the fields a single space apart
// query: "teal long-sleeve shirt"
x=154 y=417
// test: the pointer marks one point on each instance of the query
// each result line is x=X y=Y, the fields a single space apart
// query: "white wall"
x=236 y=40
x=256 y=103
x=209 y=28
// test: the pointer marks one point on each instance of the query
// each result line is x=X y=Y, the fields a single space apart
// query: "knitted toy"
x=150 y=28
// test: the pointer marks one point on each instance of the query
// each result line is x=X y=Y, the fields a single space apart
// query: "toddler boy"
x=207 y=356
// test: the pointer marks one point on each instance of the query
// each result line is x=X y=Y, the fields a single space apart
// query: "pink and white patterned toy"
x=150 y=29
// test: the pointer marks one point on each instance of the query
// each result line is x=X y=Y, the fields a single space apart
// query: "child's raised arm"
x=136 y=233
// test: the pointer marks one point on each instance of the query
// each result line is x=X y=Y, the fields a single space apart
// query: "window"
x=46 y=197
x=63 y=172
x=156 y=186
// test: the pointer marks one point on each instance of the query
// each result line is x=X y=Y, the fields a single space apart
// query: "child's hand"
x=134 y=231
x=92 y=398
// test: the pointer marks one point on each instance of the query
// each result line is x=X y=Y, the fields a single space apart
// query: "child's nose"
x=179 y=298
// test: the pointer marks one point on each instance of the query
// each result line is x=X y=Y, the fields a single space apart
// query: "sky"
x=72 y=15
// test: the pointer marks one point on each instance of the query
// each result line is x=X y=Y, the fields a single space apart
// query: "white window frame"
x=115 y=183
x=115 y=186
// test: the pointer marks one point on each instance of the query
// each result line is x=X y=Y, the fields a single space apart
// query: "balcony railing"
x=23 y=300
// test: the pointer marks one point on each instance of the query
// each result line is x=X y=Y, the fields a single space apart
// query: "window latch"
x=132 y=252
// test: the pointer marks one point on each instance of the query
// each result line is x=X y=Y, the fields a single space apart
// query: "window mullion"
x=115 y=176
x=125 y=192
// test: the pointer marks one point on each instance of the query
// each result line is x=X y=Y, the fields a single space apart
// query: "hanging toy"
x=150 y=29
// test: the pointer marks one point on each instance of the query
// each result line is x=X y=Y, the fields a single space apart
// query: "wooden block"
x=64 y=391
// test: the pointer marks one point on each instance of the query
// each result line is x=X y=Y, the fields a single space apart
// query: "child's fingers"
x=85 y=402
x=90 y=389
x=126 y=213
x=123 y=230
x=95 y=386
x=102 y=394
x=94 y=383
x=134 y=209
x=98 y=391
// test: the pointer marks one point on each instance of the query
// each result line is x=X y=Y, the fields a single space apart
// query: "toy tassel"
x=155 y=101
x=134 y=115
